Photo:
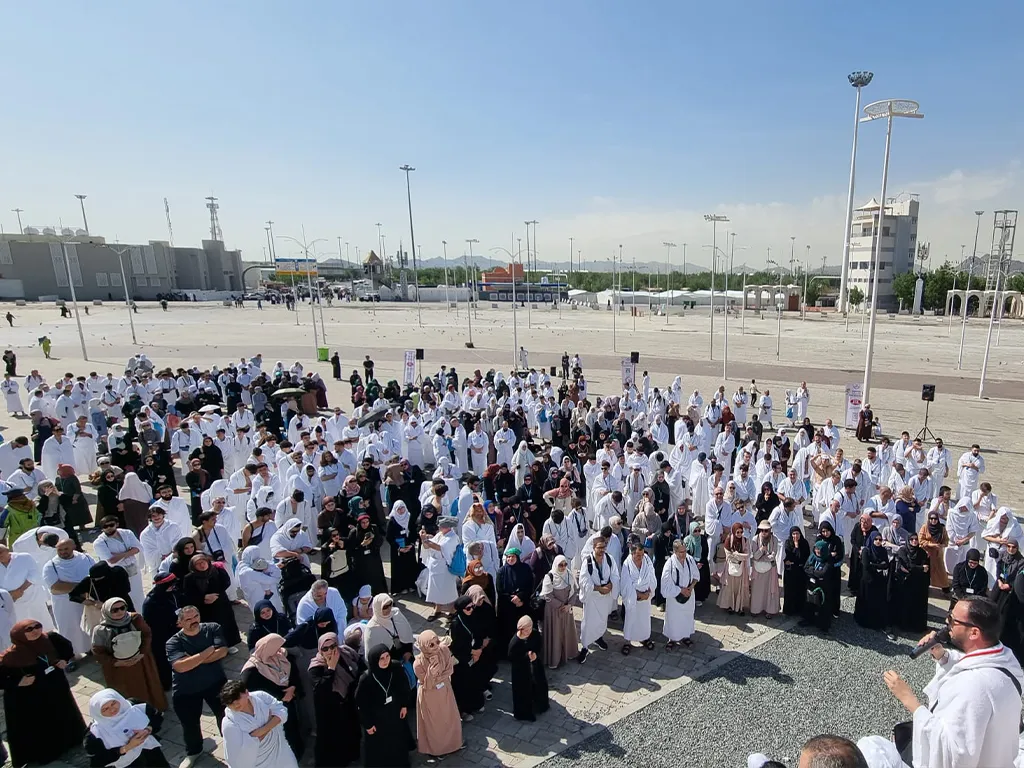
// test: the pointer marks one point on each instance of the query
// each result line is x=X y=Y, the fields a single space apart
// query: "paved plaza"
x=746 y=684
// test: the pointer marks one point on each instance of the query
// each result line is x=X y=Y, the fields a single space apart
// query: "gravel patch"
x=772 y=700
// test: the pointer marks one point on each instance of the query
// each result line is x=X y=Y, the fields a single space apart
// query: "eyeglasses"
x=33 y=628
x=329 y=646
x=950 y=621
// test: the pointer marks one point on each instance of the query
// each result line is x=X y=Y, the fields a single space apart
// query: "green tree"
x=1015 y=283
x=903 y=288
x=936 y=285
x=856 y=296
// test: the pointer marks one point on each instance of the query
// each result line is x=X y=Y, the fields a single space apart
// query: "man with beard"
x=974 y=701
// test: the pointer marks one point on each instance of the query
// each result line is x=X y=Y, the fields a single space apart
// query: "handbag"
x=762 y=566
x=735 y=568
x=680 y=598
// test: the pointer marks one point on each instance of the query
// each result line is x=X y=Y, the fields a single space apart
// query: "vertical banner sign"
x=410 y=366
x=628 y=373
x=854 y=402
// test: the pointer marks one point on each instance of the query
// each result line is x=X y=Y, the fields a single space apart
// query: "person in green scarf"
x=697 y=547
x=22 y=514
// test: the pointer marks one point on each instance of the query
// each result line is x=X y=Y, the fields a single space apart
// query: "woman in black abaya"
x=696 y=544
x=43 y=720
x=794 y=578
x=334 y=672
x=836 y=553
x=515 y=586
x=1008 y=567
x=383 y=698
x=467 y=647
x=206 y=588
x=871 y=610
x=529 y=682
x=159 y=610
x=908 y=587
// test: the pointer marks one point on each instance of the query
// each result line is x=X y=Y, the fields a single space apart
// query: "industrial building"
x=36 y=264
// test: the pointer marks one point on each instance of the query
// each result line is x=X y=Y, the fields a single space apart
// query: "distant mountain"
x=978 y=265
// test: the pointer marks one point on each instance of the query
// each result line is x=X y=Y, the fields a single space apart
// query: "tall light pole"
x=85 y=221
x=469 y=314
x=444 y=252
x=124 y=281
x=887 y=109
x=956 y=273
x=74 y=296
x=633 y=289
x=970 y=275
x=529 y=292
x=684 y=266
x=380 y=242
x=714 y=218
x=568 y=276
x=807 y=261
x=996 y=304
x=615 y=302
x=273 y=245
x=17 y=212
x=668 y=271
x=858 y=80
x=305 y=246
x=412 y=237
x=778 y=305
x=792 y=256
x=270 y=248
x=536 y=266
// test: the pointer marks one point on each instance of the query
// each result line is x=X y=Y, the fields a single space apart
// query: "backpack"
x=457 y=567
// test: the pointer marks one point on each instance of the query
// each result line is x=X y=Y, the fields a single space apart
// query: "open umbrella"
x=375 y=415
x=288 y=392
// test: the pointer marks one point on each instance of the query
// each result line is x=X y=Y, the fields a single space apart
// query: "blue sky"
x=610 y=122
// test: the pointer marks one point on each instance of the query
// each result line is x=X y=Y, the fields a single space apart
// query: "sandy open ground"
x=823 y=352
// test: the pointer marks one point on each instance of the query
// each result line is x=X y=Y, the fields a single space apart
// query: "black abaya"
x=43 y=720
x=857 y=540
x=467 y=683
x=364 y=559
x=337 y=720
x=513 y=581
x=820 y=586
x=159 y=610
x=908 y=589
x=380 y=697
x=529 y=682
x=404 y=565
x=197 y=587
x=794 y=578
x=871 y=609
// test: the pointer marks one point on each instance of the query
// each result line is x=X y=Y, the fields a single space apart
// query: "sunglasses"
x=950 y=621
x=329 y=646
x=33 y=627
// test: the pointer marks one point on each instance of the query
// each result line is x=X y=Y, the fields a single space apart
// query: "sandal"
x=433 y=617
x=649 y=645
x=670 y=645
x=687 y=642
x=626 y=649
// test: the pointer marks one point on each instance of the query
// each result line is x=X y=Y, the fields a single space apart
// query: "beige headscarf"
x=270 y=659
x=434 y=664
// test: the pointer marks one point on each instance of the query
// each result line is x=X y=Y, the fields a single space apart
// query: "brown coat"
x=935 y=550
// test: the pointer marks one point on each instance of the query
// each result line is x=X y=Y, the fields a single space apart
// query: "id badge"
x=48 y=670
x=969 y=591
x=388 y=699
x=439 y=686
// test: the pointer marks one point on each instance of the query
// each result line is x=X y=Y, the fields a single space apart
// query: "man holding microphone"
x=973 y=715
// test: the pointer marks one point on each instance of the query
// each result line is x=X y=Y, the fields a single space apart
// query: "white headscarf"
x=116 y=731
x=558 y=580
x=135 y=489
x=400 y=514
x=522 y=542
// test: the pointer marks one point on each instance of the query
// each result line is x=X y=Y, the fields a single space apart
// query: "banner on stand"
x=410 y=366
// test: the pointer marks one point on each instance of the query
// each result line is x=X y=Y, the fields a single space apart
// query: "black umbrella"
x=288 y=392
x=373 y=416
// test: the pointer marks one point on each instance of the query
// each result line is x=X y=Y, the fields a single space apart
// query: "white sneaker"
x=189 y=761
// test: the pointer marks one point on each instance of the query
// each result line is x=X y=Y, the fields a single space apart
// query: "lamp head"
x=860 y=79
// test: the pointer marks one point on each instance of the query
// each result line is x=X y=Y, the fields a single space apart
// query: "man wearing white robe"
x=175 y=508
x=413 y=441
x=599 y=591
x=437 y=553
x=61 y=575
x=57 y=450
x=698 y=483
x=12 y=395
x=850 y=509
x=939 y=462
x=504 y=438
x=725 y=447
x=321 y=595
x=969 y=469
x=1001 y=529
x=971 y=715
x=678 y=577
x=158 y=539
x=122 y=548
x=253 y=730
x=483 y=532
x=479 y=443
x=962 y=525
x=83 y=441
x=637 y=582
x=20 y=575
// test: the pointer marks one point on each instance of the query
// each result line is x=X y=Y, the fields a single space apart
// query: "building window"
x=101 y=280
x=115 y=279
x=885 y=231
x=140 y=281
x=154 y=281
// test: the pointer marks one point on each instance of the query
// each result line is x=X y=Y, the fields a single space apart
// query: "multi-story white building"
x=899 y=246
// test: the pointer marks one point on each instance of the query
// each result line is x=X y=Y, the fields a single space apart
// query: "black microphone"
x=939 y=638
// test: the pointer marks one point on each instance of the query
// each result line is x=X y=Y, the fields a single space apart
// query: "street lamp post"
x=469 y=314
x=309 y=280
x=714 y=219
x=124 y=281
x=85 y=221
x=270 y=249
x=668 y=271
x=991 y=322
x=807 y=260
x=858 y=80
x=777 y=304
x=444 y=255
x=887 y=109
x=633 y=290
x=970 y=275
x=956 y=273
x=74 y=296
x=529 y=293
x=615 y=301
x=412 y=237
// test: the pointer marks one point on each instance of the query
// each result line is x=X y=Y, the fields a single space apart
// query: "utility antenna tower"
x=923 y=254
x=215 y=233
x=170 y=229
x=1004 y=226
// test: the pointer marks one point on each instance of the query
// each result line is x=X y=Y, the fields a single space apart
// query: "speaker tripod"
x=925 y=433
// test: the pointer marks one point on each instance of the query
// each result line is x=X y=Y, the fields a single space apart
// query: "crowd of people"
x=505 y=501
